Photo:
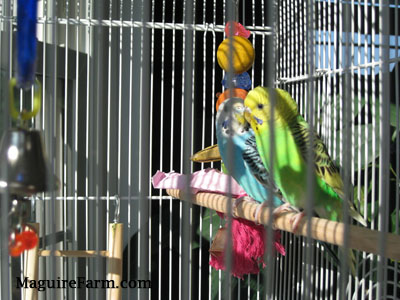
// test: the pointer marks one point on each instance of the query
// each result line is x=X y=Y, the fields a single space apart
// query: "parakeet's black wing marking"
x=324 y=166
x=255 y=164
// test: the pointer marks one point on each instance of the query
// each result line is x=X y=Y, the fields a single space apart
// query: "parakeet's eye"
x=239 y=108
x=260 y=106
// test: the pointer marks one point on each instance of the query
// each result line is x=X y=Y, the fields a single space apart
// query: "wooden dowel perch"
x=359 y=238
x=113 y=255
x=73 y=253
x=31 y=267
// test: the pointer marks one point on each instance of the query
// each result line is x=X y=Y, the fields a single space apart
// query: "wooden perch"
x=73 y=253
x=113 y=254
x=332 y=232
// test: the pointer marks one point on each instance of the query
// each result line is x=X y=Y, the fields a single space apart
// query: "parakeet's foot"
x=238 y=200
x=283 y=208
x=276 y=212
x=280 y=210
x=295 y=220
x=257 y=212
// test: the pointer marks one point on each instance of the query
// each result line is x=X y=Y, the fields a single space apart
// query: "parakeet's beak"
x=240 y=119
x=247 y=114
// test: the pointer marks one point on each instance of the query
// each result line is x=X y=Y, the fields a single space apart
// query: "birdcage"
x=129 y=88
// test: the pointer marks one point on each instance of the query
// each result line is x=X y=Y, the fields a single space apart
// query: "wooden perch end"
x=359 y=238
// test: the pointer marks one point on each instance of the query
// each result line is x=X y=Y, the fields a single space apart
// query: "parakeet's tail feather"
x=356 y=215
x=352 y=262
x=331 y=253
x=209 y=154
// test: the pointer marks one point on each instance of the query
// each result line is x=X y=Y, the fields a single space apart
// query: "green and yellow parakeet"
x=290 y=155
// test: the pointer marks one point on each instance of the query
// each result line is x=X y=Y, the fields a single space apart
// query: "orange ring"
x=237 y=93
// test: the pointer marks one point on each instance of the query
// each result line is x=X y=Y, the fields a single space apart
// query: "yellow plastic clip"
x=25 y=115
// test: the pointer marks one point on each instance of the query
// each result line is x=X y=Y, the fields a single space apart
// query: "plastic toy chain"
x=25 y=115
x=26 y=56
x=26 y=42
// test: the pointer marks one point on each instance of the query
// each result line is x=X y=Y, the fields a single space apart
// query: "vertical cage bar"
x=108 y=101
x=150 y=134
x=203 y=115
x=263 y=40
x=65 y=158
x=270 y=64
x=397 y=139
x=253 y=22
x=384 y=153
x=100 y=98
x=87 y=143
x=171 y=159
x=133 y=135
x=345 y=87
x=211 y=213
x=229 y=15
x=308 y=254
x=144 y=151
x=74 y=129
x=51 y=139
x=186 y=210
x=6 y=61
x=160 y=205
x=366 y=134
x=357 y=196
x=337 y=43
x=374 y=150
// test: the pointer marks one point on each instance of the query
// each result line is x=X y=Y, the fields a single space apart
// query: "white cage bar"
x=129 y=88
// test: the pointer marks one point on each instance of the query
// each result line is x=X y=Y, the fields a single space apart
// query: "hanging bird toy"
x=23 y=167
